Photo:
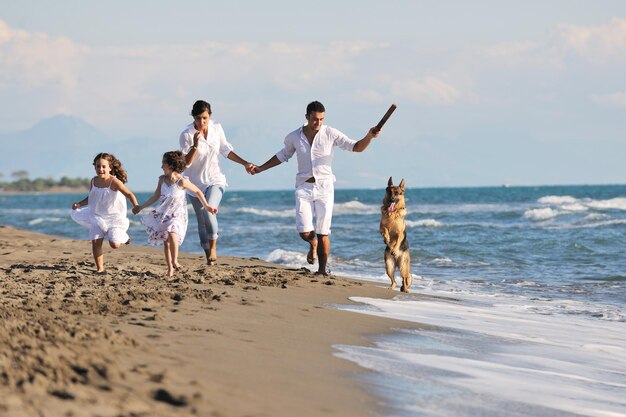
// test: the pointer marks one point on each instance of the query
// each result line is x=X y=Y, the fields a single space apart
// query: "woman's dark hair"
x=200 y=107
x=175 y=160
x=116 y=166
x=315 y=106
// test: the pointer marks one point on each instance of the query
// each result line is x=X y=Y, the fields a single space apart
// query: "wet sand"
x=242 y=338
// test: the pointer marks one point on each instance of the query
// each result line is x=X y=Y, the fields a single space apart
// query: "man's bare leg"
x=323 y=251
x=312 y=240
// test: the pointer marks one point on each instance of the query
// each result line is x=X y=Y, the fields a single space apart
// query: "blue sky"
x=488 y=92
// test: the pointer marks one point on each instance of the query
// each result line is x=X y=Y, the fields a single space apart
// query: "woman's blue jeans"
x=207 y=222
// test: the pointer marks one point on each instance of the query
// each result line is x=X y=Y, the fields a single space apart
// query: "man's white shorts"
x=311 y=201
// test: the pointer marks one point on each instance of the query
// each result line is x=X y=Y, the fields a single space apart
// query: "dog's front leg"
x=396 y=248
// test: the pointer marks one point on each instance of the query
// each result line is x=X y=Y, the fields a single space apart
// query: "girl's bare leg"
x=168 y=257
x=98 y=254
x=173 y=239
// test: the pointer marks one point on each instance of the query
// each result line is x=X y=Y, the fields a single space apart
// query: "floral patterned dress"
x=170 y=215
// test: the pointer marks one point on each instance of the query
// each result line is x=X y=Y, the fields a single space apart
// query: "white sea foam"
x=589 y=225
x=36 y=212
x=574 y=204
x=355 y=207
x=496 y=355
x=611 y=204
x=575 y=207
x=441 y=262
x=463 y=208
x=40 y=220
x=291 y=258
x=267 y=213
x=424 y=223
x=556 y=200
x=541 y=214
x=595 y=217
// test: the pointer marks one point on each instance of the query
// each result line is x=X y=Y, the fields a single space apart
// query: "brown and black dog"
x=392 y=228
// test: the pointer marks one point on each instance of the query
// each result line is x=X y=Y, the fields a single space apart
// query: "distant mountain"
x=65 y=145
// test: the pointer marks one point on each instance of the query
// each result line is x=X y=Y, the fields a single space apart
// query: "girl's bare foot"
x=170 y=272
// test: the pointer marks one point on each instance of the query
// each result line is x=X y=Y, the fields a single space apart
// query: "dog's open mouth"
x=392 y=206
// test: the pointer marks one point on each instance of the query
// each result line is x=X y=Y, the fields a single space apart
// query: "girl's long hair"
x=116 y=166
x=176 y=160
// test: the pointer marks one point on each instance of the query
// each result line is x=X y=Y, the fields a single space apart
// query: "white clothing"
x=170 y=215
x=315 y=160
x=105 y=214
x=313 y=201
x=204 y=170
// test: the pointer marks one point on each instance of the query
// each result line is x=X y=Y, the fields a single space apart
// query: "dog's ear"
x=401 y=184
x=390 y=182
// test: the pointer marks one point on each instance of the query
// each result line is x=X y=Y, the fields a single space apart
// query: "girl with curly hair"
x=167 y=223
x=105 y=213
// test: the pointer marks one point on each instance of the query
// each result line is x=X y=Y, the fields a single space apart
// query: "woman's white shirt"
x=205 y=170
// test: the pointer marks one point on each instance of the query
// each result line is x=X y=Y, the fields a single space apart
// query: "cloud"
x=114 y=85
x=615 y=99
x=565 y=46
x=429 y=90
x=32 y=59
x=369 y=95
x=596 y=43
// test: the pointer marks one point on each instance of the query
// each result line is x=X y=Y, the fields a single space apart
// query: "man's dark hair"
x=315 y=106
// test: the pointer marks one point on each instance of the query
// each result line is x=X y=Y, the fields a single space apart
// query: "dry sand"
x=243 y=338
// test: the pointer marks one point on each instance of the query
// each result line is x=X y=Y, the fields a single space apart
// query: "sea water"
x=522 y=290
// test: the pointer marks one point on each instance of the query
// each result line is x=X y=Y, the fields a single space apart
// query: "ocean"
x=526 y=290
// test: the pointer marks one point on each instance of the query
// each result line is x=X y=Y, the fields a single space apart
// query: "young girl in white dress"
x=104 y=211
x=167 y=223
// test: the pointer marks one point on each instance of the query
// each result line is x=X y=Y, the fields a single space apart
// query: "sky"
x=488 y=92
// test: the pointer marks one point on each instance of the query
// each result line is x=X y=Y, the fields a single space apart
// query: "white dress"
x=170 y=215
x=105 y=214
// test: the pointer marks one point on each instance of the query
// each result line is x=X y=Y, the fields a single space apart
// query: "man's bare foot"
x=311 y=257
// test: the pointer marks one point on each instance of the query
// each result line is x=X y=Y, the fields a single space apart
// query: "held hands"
x=210 y=209
x=255 y=170
x=250 y=168
x=137 y=209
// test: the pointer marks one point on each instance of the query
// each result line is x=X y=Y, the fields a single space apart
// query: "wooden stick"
x=387 y=115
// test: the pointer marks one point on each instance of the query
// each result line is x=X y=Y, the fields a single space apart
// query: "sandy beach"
x=243 y=338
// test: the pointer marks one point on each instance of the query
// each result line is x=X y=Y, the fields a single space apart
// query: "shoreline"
x=51 y=190
x=245 y=337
